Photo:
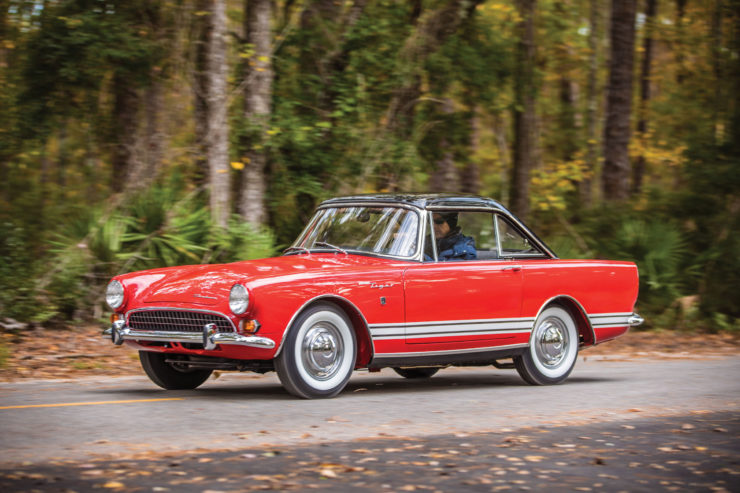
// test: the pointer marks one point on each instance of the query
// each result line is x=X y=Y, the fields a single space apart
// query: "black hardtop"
x=420 y=200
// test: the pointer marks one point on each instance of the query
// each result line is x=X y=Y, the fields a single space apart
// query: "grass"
x=4 y=354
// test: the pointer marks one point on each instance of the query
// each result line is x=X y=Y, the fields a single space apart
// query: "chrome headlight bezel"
x=115 y=294
x=239 y=299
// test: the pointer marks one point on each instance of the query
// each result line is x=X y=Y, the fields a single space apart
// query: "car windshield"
x=381 y=230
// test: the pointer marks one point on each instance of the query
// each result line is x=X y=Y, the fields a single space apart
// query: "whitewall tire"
x=553 y=348
x=319 y=353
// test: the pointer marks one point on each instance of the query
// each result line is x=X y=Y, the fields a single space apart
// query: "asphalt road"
x=697 y=454
x=52 y=424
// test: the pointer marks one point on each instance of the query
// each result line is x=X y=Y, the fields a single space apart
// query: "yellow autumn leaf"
x=237 y=165
x=113 y=485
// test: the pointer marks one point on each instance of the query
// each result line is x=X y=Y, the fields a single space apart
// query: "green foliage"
x=156 y=228
x=76 y=43
x=4 y=353
x=656 y=245
x=657 y=248
x=712 y=208
x=17 y=273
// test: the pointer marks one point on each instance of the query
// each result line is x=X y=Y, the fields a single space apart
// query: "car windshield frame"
x=300 y=245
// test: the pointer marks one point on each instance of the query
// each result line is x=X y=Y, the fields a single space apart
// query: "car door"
x=468 y=305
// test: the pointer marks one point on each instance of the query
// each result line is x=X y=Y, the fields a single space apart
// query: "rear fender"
x=586 y=332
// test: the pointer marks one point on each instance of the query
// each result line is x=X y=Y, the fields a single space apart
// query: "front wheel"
x=553 y=348
x=171 y=376
x=319 y=353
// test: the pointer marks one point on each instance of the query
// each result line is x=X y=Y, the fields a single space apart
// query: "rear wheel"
x=319 y=353
x=553 y=348
x=171 y=376
x=416 y=372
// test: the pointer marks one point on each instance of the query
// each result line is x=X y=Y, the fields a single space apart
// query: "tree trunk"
x=679 y=47
x=147 y=147
x=524 y=111
x=218 y=125
x=470 y=175
x=569 y=118
x=615 y=176
x=504 y=152
x=444 y=178
x=125 y=111
x=715 y=35
x=201 y=34
x=642 y=124
x=592 y=155
x=257 y=94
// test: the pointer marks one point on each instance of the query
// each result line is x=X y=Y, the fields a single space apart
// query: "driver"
x=451 y=243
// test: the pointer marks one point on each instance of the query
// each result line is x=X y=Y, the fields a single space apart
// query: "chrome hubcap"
x=551 y=342
x=322 y=351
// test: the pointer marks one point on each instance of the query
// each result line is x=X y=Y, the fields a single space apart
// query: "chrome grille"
x=177 y=321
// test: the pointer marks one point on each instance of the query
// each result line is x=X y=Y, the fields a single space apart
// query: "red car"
x=414 y=282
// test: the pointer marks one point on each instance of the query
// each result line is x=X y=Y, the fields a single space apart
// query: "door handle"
x=513 y=268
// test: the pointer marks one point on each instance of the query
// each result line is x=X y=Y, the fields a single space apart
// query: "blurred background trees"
x=137 y=133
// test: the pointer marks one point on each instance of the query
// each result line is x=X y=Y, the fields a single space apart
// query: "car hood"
x=210 y=284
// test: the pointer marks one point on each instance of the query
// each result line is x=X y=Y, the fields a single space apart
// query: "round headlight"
x=114 y=294
x=238 y=299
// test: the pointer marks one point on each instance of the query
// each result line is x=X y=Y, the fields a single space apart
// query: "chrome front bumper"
x=635 y=320
x=118 y=333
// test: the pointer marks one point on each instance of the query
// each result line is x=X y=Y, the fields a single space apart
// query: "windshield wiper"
x=329 y=245
x=299 y=249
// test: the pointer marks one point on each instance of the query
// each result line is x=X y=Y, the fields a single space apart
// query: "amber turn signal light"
x=249 y=326
x=114 y=317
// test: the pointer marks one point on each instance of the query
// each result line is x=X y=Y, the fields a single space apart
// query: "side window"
x=461 y=235
x=513 y=243
x=479 y=225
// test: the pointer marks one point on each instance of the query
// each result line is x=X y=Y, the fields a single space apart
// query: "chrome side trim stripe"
x=467 y=333
x=455 y=322
x=451 y=328
x=610 y=319
x=418 y=330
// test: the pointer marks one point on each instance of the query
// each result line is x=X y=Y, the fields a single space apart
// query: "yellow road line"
x=63 y=404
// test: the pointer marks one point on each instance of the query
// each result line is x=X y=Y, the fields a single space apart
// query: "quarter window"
x=512 y=243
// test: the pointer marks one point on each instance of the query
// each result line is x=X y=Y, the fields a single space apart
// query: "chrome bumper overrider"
x=635 y=320
x=118 y=333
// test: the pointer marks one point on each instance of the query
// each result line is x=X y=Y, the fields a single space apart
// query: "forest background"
x=138 y=133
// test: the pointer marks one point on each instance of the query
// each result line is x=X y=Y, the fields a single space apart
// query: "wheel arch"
x=365 y=350
x=586 y=332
